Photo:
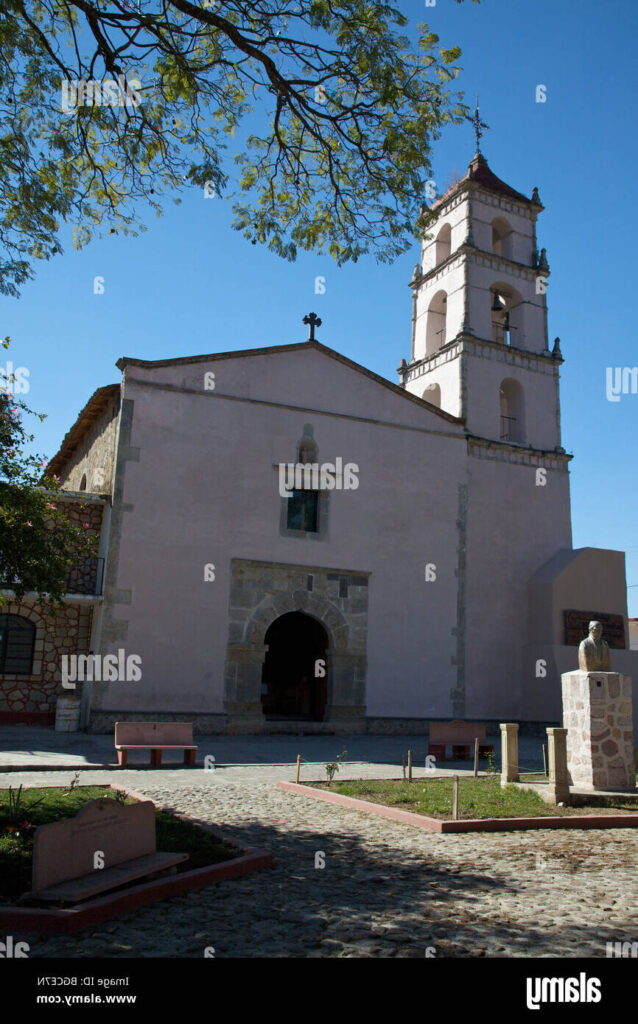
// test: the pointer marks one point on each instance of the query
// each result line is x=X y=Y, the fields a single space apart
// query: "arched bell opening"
x=501 y=238
x=512 y=410
x=432 y=394
x=443 y=245
x=506 y=306
x=436 y=323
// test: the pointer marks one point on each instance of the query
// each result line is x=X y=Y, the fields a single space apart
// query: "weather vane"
x=478 y=125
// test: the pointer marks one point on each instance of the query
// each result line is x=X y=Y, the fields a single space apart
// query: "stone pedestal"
x=597 y=714
x=558 y=785
x=509 y=753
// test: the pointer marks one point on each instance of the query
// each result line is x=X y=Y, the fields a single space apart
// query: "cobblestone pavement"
x=387 y=889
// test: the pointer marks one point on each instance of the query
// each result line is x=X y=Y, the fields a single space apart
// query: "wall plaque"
x=577 y=623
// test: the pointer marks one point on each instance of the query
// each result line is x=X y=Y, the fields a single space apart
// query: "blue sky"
x=191 y=285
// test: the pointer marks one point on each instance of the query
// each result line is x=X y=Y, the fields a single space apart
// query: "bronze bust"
x=593 y=652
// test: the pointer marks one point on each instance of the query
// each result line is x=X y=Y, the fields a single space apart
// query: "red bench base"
x=156 y=757
x=438 y=750
x=460 y=751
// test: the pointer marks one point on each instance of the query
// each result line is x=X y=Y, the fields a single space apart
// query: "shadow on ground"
x=385 y=903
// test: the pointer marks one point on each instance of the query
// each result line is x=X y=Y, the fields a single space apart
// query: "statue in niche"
x=306 y=452
x=593 y=652
x=307 y=447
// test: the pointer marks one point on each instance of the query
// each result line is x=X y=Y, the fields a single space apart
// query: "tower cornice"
x=522 y=206
x=488 y=259
x=541 y=362
x=506 y=451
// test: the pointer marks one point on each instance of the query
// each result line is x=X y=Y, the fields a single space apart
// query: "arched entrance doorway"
x=289 y=688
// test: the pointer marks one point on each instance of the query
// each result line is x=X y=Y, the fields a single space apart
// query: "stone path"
x=387 y=890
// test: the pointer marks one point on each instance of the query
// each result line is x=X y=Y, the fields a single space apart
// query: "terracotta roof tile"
x=479 y=172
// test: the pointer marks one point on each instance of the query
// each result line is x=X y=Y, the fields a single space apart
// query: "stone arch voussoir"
x=330 y=617
x=15 y=608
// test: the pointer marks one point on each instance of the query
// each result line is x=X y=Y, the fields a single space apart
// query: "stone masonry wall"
x=66 y=632
x=88 y=511
x=96 y=455
x=597 y=713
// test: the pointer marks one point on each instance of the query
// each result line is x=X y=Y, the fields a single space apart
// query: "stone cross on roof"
x=314 y=321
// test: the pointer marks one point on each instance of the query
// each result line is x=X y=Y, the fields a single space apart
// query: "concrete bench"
x=156 y=737
x=460 y=735
x=105 y=846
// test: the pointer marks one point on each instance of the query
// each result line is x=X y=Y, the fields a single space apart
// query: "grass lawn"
x=16 y=834
x=478 y=798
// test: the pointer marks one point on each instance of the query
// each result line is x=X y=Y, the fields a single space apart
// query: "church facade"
x=291 y=542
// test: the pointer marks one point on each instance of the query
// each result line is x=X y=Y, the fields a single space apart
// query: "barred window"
x=17 y=642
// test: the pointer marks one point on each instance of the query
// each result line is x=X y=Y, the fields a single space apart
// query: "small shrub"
x=75 y=781
x=17 y=806
x=334 y=766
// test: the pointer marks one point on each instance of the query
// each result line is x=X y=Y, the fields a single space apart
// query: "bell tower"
x=479 y=314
